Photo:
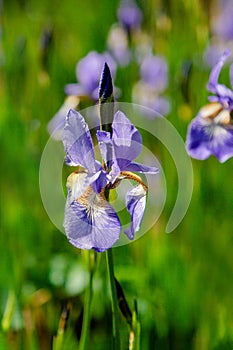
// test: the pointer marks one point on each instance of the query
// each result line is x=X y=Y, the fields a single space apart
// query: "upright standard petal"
x=136 y=203
x=78 y=142
x=214 y=75
x=91 y=222
x=223 y=94
x=127 y=141
x=106 y=147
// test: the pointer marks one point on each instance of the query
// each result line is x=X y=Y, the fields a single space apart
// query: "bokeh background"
x=183 y=282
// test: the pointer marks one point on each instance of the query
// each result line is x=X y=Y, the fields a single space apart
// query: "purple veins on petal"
x=90 y=221
x=78 y=142
x=211 y=132
x=106 y=147
x=136 y=203
x=126 y=139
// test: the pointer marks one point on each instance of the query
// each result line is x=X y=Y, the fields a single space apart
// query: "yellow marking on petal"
x=134 y=177
x=93 y=203
x=91 y=200
x=211 y=110
x=216 y=113
x=223 y=117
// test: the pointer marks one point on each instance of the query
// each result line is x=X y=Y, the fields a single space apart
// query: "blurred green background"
x=183 y=281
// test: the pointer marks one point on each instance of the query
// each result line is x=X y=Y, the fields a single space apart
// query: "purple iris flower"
x=153 y=81
x=118 y=45
x=88 y=71
x=211 y=132
x=129 y=15
x=90 y=221
x=222 y=30
x=223 y=25
x=154 y=72
x=57 y=123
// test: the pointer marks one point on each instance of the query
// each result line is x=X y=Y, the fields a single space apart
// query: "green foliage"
x=182 y=281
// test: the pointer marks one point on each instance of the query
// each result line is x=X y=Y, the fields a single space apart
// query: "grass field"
x=182 y=281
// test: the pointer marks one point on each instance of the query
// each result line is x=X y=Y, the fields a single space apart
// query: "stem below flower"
x=87 y=308
x=115 y=321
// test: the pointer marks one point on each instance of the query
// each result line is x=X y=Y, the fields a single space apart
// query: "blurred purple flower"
x=90 y=221
x=211 y=132
x=56 y=124
x=145 y=95
x=118 y=45
x=153 y=81
x=212 y=53
x=129 y=15
x=223 y=24
x=222 y=30
x=88 y=71
x=154 y=72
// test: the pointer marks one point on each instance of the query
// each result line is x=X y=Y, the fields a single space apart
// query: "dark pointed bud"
x=106 y=100
x=105 y=86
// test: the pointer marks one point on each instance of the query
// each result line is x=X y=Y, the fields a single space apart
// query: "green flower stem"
x=87 y=308
x=115 y=321
x=8 y=312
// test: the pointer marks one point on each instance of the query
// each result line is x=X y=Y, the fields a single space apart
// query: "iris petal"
x=106 y=147
x=78 y=182
x=78 y=142
x=126 y=139
x=206 y=137
x=214 y=75
x=136 y=203
x=140 y=168
x=91 y=222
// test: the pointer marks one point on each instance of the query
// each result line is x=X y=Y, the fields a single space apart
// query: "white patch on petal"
x=210 y=110
x=76 y=182
x=223 y=117
x=138 y=191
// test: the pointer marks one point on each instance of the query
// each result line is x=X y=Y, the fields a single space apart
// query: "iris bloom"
x=88 y=71
x=222 y=25
x=222 y=31
x=118 y=45
x=129 y=15
x=90 y=221
x=211 y=132
x=153 y=81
